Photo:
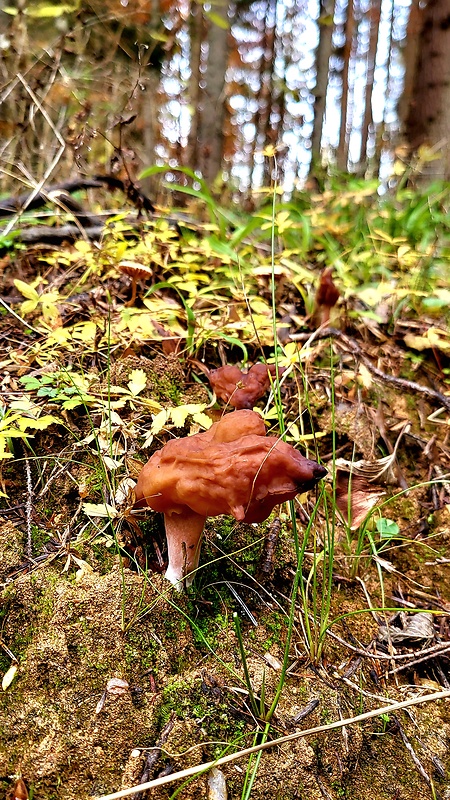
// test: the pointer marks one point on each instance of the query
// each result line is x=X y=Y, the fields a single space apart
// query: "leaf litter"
x=93 y=381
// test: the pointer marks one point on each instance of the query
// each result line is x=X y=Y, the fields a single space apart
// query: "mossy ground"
x=73 y=628
x=181 y=660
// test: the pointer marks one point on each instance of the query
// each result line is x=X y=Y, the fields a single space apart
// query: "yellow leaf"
x=27 y=290
x=83 y=247
x=99 y=510
x=203 y=420
x=159 y=421
x=3 y=451
x=432 y=338
x=180 y=413
x=137 y=382
x=436 y=340
x=37 y=424
x=60 y=336
x=364 y=376
x=85 y=331
x=28 y=306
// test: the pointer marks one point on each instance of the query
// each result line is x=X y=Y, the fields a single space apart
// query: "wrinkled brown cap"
x=242 y=389
x=232 y=468
x=245 y=477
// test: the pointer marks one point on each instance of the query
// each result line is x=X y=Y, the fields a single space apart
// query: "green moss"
x=403 y=508
x=208 y=706
x=39 y=538
x=140 y=649
x=275 y=624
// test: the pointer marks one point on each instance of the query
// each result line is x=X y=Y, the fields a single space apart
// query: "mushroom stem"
x=132 y=299
x=184 y=533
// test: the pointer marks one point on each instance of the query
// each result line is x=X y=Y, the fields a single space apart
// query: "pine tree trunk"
x=196 y=32
x=211 y=128
x=428 y=114
x=342 y=151
x=374 y=16
x=322 y=59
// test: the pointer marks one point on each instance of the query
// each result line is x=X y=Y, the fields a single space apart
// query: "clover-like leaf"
x=137 y=382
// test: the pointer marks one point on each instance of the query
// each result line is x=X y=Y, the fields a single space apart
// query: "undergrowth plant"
x=210 y=287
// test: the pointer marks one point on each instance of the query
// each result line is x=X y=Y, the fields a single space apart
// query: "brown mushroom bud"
x=327 y=296
x=232 y=468
x=242 y=389
x=136 y=272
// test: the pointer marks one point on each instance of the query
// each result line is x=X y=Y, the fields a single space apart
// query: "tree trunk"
x=265 y=91
x=342 y=151
x=428 y=113
x=196 y=33
x=322 y=59
x=374 y=17
x=211 y=128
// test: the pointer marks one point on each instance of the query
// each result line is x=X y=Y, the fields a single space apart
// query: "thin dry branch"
x=354 y=348
x=341 y=723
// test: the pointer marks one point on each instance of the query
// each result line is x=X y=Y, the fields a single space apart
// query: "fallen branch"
x=15 y=204
x=355 y=349
x=341 y=723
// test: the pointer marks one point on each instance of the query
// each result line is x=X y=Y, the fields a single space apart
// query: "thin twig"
x=29 y=506
x=426 y=657
x=55 y=161
x=412 y=753
x=200 y=768
x=355 y=350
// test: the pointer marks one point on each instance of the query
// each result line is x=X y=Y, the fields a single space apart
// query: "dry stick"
x=412 y=753
x=420 y=660
x=355 y=350
x=23 y=321
x=29 y=506
x=341 y=723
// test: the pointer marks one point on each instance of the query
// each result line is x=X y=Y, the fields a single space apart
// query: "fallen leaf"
x=117 y=686
x=137 y=382
x=9 y=676
x=99 y=510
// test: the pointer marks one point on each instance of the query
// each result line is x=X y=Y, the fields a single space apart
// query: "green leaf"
x=387 y=528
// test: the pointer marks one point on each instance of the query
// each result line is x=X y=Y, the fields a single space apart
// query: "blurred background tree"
x=120 y=85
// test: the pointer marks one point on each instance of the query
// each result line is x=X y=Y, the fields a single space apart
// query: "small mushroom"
x=326 y=298
x=136 y=272
x=242 y=389
x=232 y=468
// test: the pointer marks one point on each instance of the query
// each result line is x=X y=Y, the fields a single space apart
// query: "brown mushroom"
x=232 y=468
x=242 y=389
x=136 y=272
x=327 y=296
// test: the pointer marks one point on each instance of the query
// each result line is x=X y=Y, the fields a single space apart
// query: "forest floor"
x=90 y=388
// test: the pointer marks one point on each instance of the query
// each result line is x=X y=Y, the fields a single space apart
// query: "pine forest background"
x=359 y=85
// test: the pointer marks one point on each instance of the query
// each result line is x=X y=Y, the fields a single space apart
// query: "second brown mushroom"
x=136 y=272
x=233 y=468
x=242 y=389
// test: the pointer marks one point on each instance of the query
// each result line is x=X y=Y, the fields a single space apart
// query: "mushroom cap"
x=242 y=389
x=232 y=468
x=327 y=292
x=135 y=270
